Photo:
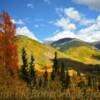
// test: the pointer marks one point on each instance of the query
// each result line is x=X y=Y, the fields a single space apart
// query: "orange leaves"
x=11 y=46
x=8 y=48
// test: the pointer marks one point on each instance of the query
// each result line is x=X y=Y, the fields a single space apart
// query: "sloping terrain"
x=41 y=52
x=77 y=57
x=97 y=44
x=67 y=43
x=78 y=50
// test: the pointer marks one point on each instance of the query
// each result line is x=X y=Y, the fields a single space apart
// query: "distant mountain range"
x=67 y=43
x=97 y=44
x=64 y=43
x=77 y=49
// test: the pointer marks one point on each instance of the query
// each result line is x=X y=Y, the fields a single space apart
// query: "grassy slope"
x=63 y=45
x=84 y=54
x=79 y=50
x=42 y=53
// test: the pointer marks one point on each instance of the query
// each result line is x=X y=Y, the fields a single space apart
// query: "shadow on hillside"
x=85 y=68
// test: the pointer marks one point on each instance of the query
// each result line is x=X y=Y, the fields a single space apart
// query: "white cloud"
x=90 y=33
x=72 y=13
x=95 y=4
x=60 y=35
x=86 y=22
x=19 y=22
x=65 y=24
x=29 y=5
x=25 y=31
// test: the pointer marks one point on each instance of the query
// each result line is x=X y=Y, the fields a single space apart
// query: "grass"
x=41 y=52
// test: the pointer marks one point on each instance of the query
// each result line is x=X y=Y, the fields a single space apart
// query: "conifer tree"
x=40 y=82
x=45 y=77
x=67 y=79
x=54 y=67
x=62 y=72
x=89 y=81
x=62 y=75
x=55 y=63
x=23 y=71
x=32 y=75
x=52 y=75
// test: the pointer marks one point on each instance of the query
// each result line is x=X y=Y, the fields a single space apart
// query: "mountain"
x=67 y=43
x=44 y=54
x=77 y=49
x=97 y=44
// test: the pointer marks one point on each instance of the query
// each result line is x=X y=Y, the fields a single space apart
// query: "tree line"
x=29 y=75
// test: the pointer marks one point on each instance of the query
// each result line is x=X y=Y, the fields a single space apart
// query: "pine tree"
x=55 y=63
x=62 y=75
x=23 y=71
x=67 y=79
x=52 y=75
x=62 y=72
x=32 y=75
x=40 y=82
x=89 y=81
x=45 y=77
x=54 y=67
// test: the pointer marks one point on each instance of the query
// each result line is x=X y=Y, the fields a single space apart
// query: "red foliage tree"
x=8 y=48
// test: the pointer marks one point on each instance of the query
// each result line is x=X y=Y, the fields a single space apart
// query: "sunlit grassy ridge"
x=42 y=53
x=78 y=50
x=84 y=54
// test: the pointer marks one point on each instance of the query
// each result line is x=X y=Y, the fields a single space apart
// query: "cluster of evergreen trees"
x=28 y=73
x=59 y=74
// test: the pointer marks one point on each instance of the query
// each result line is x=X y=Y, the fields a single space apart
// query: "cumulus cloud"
x=60 y=35
x=94 y=4
x=65 y=24
x=86 y=22
x=72 y=13
x=19 y=22
x=25 y=31
x=89 y=33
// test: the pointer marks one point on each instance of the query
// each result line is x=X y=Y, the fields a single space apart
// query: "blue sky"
x=54 y=19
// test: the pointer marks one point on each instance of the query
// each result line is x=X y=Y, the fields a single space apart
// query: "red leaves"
x=8 y=48
x=11 y=46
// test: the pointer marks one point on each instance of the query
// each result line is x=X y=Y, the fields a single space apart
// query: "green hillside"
x=72 y=57
x=43 y=54
x=78 y=50
x=68 y=43
x=84 y=54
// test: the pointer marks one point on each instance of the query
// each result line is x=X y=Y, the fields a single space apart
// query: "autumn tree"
x=9 y=49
